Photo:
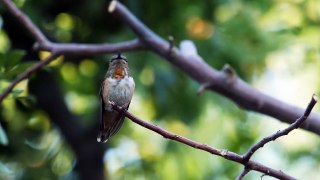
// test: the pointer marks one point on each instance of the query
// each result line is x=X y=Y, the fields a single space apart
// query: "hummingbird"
x=117 y=87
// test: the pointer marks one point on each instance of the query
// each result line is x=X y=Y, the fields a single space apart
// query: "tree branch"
x=222 y=82
x=250 y=165
x=74 y=49
x=283 y=132
x=27 y=73
x=286 y=131
x=237 y=90
x=25 y=21
x=244 y=172
x=82 y=140
x=80 y=50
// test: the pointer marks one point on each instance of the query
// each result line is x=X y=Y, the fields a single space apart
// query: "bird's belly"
x=120 y=91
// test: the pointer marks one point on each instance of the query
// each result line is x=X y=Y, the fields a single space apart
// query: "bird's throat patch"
x=118 y=73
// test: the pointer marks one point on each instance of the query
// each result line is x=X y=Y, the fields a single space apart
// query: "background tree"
x=267 y=43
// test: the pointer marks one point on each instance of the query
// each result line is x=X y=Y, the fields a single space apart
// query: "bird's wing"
x=110 y=121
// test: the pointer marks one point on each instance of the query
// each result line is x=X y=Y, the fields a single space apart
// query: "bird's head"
x=118 y=67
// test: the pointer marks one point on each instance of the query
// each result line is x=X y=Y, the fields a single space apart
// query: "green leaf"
x=11 y=59
x=3 y=137
x=14 y=58
x=14 y=72
x=28 y=101
x=15 y=93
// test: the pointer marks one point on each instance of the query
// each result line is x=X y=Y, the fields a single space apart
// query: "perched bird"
x=118 y=87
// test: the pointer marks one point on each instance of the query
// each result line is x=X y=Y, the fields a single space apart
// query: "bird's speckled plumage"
x=118 y=87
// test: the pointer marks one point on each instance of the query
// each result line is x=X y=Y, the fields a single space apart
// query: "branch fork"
x=239 y=92
x=245 y=159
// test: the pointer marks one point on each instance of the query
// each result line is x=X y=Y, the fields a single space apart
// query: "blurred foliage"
x=252 y=36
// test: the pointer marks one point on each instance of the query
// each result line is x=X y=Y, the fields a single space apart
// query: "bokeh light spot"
x=147 y=76
x=62 y=163
x=80 y=104
x=19 y=3
x=88 y=68
x=199 y=28
x=69 y=72
x=23 y=87
x=177 y=126
x=64 y=21
x=57 y=61
x=4 y=42
x=39 y=121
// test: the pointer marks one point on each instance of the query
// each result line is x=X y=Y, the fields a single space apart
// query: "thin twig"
x=223 y=153
x=239 y=91
x=27 y=73
x=75 y=49
x=72 y=49
x=244 y=172
x=286 y=131
x=283 y=132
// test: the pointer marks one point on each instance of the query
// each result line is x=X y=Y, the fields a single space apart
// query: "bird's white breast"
x=119 y=91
